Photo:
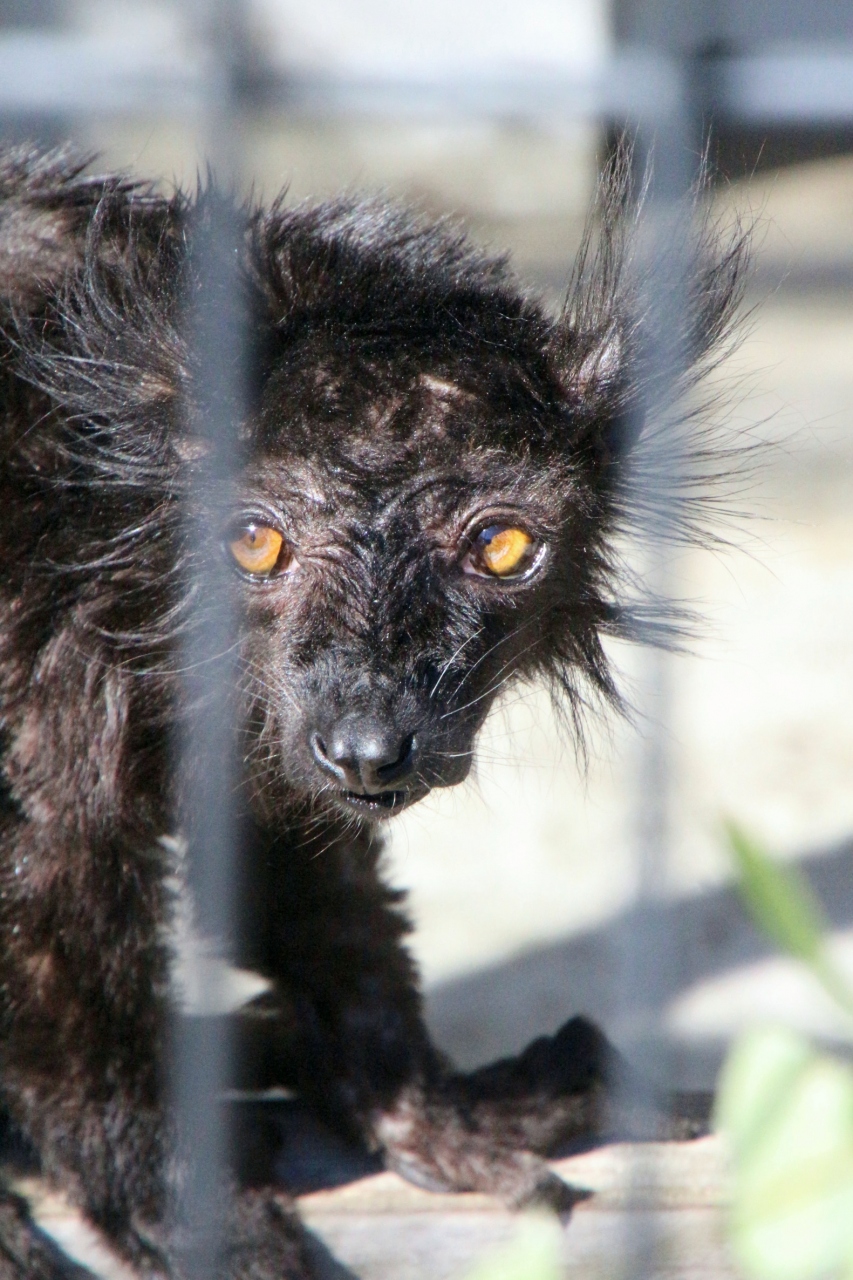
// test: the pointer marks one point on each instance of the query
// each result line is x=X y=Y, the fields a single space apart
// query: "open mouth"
x=383 y=802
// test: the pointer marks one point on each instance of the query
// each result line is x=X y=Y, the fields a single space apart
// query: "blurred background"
x=520 y=881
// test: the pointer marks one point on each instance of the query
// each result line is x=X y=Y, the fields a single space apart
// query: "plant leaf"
x=758 y=1073
x=779 y=897
x=784 y=905
x=788 y=1114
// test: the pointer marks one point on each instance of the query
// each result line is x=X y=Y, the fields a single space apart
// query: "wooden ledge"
x=379 y=1227
x=659 y=1175
x=674 y=1194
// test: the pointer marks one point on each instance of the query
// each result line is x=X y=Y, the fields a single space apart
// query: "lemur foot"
x=487 y=1130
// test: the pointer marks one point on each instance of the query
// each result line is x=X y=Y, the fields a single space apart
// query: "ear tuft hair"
x=606 y=346
x=647 y=318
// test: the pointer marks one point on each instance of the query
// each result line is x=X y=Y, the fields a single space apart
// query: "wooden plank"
x=671 y=1195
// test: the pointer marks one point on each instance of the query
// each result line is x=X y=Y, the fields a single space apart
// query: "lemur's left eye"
x=259 y=549
x=502 y=551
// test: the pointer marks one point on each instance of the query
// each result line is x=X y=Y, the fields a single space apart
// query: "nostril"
x=393 y=768
x=320 y=752
x=339 y=758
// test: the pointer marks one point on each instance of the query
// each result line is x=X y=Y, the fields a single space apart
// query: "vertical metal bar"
x=664 y=263
x=27 y=126
x=208 y=761
x=667 y=158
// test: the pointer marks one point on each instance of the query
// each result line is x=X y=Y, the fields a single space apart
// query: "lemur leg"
x=84 y=1060
x=25 y=1253
x=353 y=1040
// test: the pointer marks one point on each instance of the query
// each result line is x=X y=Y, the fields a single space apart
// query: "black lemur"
x=433 y=472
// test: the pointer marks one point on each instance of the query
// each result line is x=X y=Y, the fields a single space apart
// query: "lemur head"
x=432 y=472
x=435 y=473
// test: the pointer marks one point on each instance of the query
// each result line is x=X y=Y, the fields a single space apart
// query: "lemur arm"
x=351 y=1037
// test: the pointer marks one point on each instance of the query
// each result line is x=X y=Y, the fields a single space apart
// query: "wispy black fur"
x=404 y=397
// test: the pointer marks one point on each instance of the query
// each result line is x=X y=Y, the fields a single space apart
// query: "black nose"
x=365 y=755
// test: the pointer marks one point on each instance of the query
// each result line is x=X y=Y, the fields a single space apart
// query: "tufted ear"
x=595 y=372
x=600 y=368
x=635 y=310
x=592 y=341
x=595 y=375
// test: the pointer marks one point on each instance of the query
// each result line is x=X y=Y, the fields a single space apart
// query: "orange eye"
x=501 y=552
x=258 y=549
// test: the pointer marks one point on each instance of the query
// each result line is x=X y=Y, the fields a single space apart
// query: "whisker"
x=511 y=635
x=500 y=683
x=452 y=659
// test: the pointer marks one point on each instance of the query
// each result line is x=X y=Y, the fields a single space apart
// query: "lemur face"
x=399 y=563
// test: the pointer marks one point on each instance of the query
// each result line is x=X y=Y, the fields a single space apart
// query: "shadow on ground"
x=496 y=1011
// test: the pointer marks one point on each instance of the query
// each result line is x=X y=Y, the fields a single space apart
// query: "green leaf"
x=756 y=1079
x=788 y=1114
x=779 y=897
x=534 y=1254
x=783 y=904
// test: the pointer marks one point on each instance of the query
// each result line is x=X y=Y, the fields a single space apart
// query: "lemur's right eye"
x=259 y=550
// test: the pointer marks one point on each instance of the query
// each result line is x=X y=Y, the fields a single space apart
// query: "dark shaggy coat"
x=432 y=472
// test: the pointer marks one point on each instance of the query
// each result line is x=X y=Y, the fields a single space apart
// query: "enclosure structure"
x=54 y=80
